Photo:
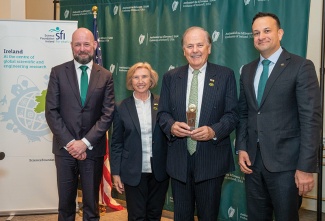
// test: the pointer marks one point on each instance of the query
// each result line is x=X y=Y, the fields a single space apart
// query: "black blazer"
x=213 y=158
x=288 y=121
x=126 y=146
x=68 y=119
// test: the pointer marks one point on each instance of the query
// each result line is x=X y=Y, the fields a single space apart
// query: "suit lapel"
x=211 y=85
x=72 y=79
x=251 y=78
x=154 y=110
x=130 y=104
x=180 y=92
x=94 y=77
x=280 y=65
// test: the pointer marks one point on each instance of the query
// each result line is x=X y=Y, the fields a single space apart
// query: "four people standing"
x=197 y=173
x=280 y=122
x=139 y=148
x=79 y=111
x=277 y=136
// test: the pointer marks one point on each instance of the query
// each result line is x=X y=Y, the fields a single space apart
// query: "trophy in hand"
x=191 y=116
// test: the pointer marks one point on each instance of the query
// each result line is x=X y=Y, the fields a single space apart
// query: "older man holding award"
x=197 y=112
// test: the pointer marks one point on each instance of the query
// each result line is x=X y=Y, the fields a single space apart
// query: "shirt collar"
x=274 y=57
x=89 y=65
x=138 y=100
x=202 y=69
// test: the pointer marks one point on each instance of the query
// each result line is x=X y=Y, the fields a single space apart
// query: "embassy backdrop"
x=151 y=30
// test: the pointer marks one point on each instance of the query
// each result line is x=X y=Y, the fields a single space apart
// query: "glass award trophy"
x=191 y=116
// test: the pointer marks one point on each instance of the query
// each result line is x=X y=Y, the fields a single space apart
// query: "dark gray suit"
x=287 y=123
x=69 y=120
x=213 y=158
x=126 y=161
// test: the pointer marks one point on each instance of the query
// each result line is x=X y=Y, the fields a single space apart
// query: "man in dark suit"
x=279 y=130
x=197 y=171
x=79 y=122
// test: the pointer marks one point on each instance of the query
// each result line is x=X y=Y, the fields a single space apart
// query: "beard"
x=85 y=60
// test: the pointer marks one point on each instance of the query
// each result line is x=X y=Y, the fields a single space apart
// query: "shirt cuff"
x=65 y=147
x=87 y=143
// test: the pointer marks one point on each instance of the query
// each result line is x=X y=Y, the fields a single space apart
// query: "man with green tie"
x=280 y=123
x=79 y=111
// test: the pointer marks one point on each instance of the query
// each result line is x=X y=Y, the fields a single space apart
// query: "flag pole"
x=106 y=185
x=94 y=9
x=54 y=8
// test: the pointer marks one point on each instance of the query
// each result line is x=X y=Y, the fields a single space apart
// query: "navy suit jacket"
x=126 y=145
x=68 y=119
x=288 y=121
x=213 y=158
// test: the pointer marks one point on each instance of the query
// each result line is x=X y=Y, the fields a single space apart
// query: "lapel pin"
x=282 y=64
x=211 y=84
x=155 y=106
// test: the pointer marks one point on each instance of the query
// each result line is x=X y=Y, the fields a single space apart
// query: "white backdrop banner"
x=28 y=51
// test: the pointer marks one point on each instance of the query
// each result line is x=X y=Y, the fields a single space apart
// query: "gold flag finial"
x=94 y=10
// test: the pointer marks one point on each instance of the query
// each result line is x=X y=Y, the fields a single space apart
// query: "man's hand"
x=244 y=162
x=304 y=182
x=76 y=149
x=203 y=133
x=180 y=129
x=118 y=183
x=82 y=156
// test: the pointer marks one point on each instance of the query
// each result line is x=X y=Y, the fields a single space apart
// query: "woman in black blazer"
x=139 y=148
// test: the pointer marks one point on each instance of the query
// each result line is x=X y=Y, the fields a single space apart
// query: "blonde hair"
x=153 y=74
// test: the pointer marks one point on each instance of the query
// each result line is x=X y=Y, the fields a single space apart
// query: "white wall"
x=12 y=9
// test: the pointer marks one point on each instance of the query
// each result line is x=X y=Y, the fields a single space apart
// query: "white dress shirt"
x=201 y=77
x=273 y=58
x=144 y=115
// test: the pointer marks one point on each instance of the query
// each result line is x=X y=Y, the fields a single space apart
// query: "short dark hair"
x=267 y=14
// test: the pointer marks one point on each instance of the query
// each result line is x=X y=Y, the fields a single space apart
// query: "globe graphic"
x=24 y=116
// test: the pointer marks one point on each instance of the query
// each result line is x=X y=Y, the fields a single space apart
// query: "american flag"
x=98 y=52
x=106 y=185
x=105 y=190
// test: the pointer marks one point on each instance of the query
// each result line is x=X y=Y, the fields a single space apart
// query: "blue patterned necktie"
x=83 y=84
x=193 y=99
x=263 y=80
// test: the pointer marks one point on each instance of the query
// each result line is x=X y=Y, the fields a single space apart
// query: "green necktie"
x=193 y=99
x=263 y=80
x=83 y=84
